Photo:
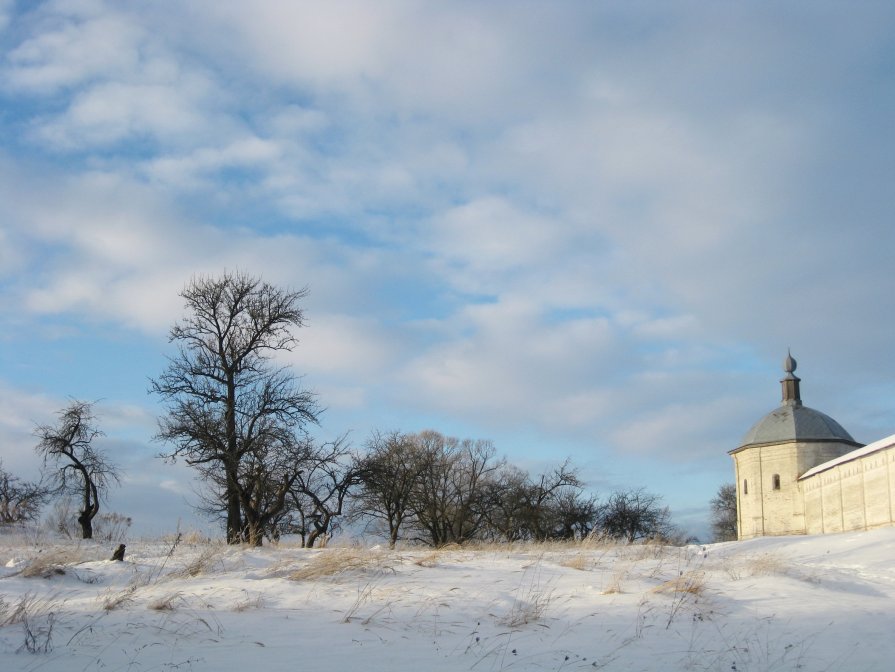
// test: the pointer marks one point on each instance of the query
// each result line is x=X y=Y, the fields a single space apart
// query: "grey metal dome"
x=794 y=422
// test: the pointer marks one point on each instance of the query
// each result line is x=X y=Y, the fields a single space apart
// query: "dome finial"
x=789 y=364
x=791 y=394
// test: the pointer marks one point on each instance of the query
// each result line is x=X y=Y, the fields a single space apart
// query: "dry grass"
x=428 y=560
x=766 y=564
x=28 y=606
x=204 y=563
x=194 y=538
x=115 y=600
x=648 y=550
x=529 y=606
x=167 y=602
x=37 y=616
x=336 y=561
x=578 y=561
x=52 y=562
x=256 y=602
x=692 y=583
x=373 y=595
x=614 y=586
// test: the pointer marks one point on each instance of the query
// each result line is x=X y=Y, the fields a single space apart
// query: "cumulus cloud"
x=583 y=221
x=71 y=44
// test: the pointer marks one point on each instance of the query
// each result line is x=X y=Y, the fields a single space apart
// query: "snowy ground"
x=806 y=603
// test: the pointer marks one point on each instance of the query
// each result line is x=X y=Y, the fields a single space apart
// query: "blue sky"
x=585 y=229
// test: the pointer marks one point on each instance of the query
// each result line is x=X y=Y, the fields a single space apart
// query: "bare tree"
x=75 y=465
x=230 y=412
x=388 y=475
x=20 y=501
x=635 y=514
x=508 y=504
x=724 y=513
x=576 y=514
x=266 y=474
x=550 y=506
x=322 y=488
x=448 y=500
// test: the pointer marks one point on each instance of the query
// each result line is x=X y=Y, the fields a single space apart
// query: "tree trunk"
x=234 y=511
x=85 y=520
x=91 y=506
x=235 y=530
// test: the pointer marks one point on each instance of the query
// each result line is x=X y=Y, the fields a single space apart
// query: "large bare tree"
x=73 y=463
x=232 y=413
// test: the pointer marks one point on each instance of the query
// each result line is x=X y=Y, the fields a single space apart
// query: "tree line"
x=242 y=421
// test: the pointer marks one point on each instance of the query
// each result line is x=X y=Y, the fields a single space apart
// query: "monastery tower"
x=775 y=453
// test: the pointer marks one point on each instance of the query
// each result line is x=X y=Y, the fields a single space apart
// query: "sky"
x=578 y=229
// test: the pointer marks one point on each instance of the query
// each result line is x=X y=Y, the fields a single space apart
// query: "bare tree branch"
x=74 y=465
x=231 y=414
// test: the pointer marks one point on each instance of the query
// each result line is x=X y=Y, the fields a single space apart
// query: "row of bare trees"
x=430 y=488
x=241 y=419
x=434 y=489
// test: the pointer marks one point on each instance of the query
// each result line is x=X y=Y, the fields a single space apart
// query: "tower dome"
x=792 y=421
x=795 y=423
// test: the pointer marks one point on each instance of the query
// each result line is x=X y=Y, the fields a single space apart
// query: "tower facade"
x=772 y=456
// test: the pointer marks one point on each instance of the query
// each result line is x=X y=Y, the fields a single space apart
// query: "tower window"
x=745 y=487
x=776 y=480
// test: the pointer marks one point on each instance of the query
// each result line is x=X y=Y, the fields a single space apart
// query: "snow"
x=782 y=603
x=853 y=455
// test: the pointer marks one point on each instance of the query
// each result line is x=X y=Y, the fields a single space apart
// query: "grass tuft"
x=428 y=560
x=167 y=602
x=37 y=616
x=692 y=583
x=766 y=564
x=204 y=563
x=115 y=600
x=52 y=563
x=256 y=602
x=333 y=562
x=578 y=561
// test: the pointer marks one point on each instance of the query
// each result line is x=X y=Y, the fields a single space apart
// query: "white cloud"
x=108 y=113
x=507 y=360
x=73 y=43
x=630 y=192
x=490 y=236
x=201 y=165
x=358 y=348
x=6 y=7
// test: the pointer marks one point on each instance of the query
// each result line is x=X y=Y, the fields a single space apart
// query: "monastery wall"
x=856 y=494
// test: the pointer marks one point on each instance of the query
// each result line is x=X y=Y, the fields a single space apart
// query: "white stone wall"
x=795 y=508
x=764 y=509
x=857 y=494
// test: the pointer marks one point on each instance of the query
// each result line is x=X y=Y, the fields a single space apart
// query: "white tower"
x=778 y=449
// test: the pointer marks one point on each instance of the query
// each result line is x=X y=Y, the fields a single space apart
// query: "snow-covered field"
x=793 y=603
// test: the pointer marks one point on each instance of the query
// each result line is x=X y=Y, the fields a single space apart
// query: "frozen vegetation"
x=793 y=603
